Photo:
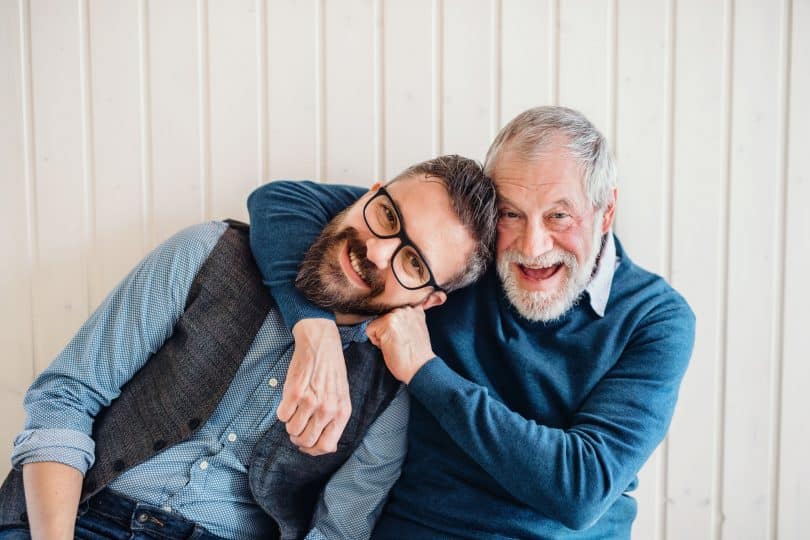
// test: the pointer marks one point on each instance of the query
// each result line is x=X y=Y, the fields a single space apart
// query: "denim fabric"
x=112 y=516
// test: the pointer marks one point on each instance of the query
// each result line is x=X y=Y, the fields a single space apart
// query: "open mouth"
x=539 y=273
x=354 y=268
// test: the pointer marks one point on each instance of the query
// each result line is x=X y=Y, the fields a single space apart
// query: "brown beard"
x=323 y=282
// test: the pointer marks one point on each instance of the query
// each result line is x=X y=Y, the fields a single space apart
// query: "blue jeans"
x=109 y=515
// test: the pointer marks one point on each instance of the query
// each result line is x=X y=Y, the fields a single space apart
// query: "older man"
x=540 y=391
x=158 y=419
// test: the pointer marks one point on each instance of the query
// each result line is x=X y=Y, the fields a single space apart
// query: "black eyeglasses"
x=408 y=264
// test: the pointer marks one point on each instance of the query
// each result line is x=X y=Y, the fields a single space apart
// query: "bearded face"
x=324 y=283
x=549 y=305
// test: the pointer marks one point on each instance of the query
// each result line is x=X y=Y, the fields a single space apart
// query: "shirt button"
x=232 y=437
x=273 y=382
x=204 y=465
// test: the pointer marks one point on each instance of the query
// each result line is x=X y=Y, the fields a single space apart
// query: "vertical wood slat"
x=466 y=72
x=115 y=88
x=293 y=90
x=408 y=89
x=233 y=106
x=349 y=70
x=585 y=48
x=794 y=468
x=378 y=17
x=437 y=76
x=174 y=102
x=641 y=139
x=15 y=205
x=753 y=280
x=204 y=107
x=528 y=66
x=699 y=212
x=59 y=276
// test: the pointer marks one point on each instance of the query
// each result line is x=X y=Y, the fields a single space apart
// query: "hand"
x=403 y=338
x=315 y=403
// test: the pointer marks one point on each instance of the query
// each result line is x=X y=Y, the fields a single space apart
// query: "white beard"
x=547 y=306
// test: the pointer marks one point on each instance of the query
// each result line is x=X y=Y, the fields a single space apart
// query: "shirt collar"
x=354 y=332
x=599 y=288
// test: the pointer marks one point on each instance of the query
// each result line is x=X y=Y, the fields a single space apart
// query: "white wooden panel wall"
x=125 y=121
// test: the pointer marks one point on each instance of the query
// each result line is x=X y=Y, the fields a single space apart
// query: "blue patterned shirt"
x=205 y=477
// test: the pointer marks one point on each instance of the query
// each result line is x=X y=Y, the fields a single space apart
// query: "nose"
x=380 y=250
x=536 y=241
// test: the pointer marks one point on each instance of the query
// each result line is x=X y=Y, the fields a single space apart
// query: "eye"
x=559 y=215
x=412 y=263
x=387 y=217
x=505 y=213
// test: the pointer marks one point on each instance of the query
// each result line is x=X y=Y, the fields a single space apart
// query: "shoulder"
x=639 y=289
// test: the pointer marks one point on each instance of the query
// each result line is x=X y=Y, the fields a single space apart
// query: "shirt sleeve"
x=130 y=325
x=353 y=499
x=286 y=217
x=571 y=475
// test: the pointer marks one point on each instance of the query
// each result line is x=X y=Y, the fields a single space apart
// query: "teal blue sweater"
x=518 y=429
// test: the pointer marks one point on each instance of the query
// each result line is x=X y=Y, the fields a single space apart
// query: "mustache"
x=547 y=259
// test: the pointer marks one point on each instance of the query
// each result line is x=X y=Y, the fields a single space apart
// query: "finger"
x=314 y=427
x=295 y=386
x=325 y=444
x=306 y=408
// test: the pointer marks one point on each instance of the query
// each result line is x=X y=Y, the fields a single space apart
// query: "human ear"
x=610 y=212
x=436 y=298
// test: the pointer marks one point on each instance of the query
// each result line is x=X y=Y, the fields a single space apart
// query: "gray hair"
x=531 y=132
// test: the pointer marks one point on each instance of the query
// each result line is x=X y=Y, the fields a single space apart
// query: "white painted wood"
x=753 y=279
x=115 y=92
x=59 y=278
x=179 y=190
x=142 y=117
x=349 y=79
x=528 y=77
x=643 y=150
x=234 y=105
x=409 y=78
x=794 y=468
x=698 y=269
x=585 y=57
x=468 y=101
x=293 y=45
x=15 y=271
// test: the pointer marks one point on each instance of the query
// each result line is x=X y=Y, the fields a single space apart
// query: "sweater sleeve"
x=571 y=475
x=286 y=217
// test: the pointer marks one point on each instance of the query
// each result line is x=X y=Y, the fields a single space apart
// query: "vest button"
x=194 y=423
x=159 y=445
x=24 y=516
x=119 y=465
x=142 y=517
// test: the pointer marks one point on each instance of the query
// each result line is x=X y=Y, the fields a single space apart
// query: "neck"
x=348 y=319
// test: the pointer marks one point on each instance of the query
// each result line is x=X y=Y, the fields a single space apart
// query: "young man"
x=540 y=391
x=158 y=419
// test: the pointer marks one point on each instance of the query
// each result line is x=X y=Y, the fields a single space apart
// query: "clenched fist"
x=403 y=338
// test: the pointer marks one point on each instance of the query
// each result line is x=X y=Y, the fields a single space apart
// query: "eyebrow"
x=562 y=202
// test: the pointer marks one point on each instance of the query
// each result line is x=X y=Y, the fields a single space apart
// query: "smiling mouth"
x=353 y=268
x=540 y=273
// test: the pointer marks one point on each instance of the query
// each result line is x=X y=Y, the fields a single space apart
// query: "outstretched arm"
x=286 y=218
x=571 y=475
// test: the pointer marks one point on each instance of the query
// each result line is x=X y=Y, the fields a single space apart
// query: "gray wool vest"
x=177 y=390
